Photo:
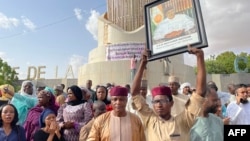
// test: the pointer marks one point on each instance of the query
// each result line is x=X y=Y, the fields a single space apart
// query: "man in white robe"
x=179 y=99
x=239 y=111
x=144 y=93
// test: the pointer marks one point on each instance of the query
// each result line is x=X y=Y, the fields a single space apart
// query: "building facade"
x=123 y=23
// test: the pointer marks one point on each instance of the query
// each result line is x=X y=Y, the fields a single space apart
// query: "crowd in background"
x=87 y=114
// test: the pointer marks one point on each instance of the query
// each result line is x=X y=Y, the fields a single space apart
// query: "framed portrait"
x=171 y=25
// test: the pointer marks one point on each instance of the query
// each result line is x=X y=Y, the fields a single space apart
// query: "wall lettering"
x=39 y=72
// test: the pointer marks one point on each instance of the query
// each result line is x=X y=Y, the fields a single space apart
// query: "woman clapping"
x=50 y=129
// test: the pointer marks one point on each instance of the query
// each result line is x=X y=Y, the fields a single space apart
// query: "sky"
x=59 y=34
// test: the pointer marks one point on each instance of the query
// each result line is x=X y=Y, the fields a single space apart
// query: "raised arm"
x=135 y=89
x=201 y=70
x=6 y=90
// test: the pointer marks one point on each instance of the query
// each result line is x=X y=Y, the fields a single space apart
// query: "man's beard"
x=211 y=109
x=243 y=101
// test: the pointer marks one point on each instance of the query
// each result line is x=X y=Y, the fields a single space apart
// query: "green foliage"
x=213 y=67
x=224 y=63
x=7 y=74
x=242 y=65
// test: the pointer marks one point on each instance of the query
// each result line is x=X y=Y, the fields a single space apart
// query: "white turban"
x=183 y=85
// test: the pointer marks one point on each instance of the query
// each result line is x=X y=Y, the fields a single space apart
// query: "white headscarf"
x=186 y=84
x=183 y=85
x=33 y=87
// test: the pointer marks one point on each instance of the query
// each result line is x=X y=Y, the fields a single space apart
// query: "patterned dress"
x=80 y=114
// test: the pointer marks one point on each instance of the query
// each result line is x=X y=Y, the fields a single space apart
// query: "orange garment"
x=85 y=130
x=101 y=129
x=165 y=130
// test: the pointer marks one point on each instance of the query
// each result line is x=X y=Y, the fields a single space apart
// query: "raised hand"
x=144 y=55
x=6 y=90
x=193 y=50
x=53 y=127
x=226 y=120
x=68 y=125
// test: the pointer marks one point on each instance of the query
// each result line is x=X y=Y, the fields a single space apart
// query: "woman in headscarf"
x=46 y=101
x=25 y=100
x=186 y=89
x=74 y=114
x=50 y=130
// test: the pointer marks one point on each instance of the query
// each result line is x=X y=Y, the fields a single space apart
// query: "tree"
x=224 y=63
x=7 y=74
x=213 y=66
x=242 y=64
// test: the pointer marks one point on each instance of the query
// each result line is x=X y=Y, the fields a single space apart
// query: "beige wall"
x=117 y=34
x=222 y=80
x=119 y=72
x=52 y=82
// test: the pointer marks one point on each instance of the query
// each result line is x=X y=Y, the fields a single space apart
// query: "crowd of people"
x=114 y=112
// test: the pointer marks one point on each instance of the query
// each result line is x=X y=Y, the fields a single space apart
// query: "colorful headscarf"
x=52 y=102
x=43 y=116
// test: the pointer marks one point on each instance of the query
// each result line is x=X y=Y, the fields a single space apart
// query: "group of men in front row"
x=195 y=121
